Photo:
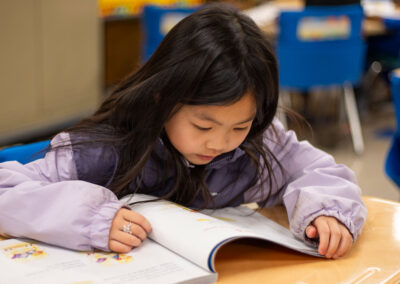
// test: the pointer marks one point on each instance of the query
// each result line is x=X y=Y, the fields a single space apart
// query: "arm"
x=43 y=200
x=311 y=185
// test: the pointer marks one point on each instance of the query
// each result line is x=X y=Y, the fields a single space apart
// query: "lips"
x=206 y=158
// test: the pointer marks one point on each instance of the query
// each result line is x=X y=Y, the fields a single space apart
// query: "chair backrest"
x=392 y=24
x=321 y=46
x=156 y=22
x=392 y=163
x=24 y=153
x=395 y=90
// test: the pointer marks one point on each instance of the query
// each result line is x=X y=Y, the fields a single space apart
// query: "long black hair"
x=212 y=57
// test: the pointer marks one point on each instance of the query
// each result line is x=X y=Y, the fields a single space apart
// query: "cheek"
x=238 y=139
x=183 y=139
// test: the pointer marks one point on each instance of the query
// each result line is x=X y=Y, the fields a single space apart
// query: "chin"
x=200 y=163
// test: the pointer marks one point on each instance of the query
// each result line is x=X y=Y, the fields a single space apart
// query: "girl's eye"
x=241 y=128
x=202 y=128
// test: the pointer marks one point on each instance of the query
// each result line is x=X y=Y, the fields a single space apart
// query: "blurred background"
x=59 y=59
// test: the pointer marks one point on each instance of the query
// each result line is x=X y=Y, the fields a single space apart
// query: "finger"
x=323 y=232
x=311 y=232
x=116 y=246
x=345 y=243
x=135 y=230
x=126 y=239
x=138 y=219
x=335 y=237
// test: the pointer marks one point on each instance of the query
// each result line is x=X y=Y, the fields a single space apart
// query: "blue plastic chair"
x=392 y=163
x=392 y=24
x=24 y=153
x=156 y=21
x=385 y=48
x=323 y=47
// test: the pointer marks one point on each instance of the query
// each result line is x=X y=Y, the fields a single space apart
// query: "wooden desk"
x=375 y=258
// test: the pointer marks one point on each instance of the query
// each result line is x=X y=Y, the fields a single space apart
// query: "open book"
x=181 y=248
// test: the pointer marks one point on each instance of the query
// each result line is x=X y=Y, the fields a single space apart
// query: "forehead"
x=241 y=110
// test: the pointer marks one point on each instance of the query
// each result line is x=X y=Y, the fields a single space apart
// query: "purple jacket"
x=63 y=198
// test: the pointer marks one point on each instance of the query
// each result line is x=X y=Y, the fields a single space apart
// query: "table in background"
x=266 y=15
x=375 y=257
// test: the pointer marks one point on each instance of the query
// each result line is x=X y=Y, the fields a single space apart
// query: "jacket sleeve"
x=43 y=200
x=310 y=184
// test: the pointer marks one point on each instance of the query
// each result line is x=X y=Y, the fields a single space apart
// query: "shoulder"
x=276 y=134
x=285 y=144
x=95 y=161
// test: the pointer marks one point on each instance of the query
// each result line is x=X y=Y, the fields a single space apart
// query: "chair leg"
x=284 y=102
x=353 y=117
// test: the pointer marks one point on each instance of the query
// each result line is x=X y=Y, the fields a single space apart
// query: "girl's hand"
x=128 y=230
x=334 y=238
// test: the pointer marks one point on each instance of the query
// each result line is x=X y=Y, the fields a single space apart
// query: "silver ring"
x=127 y=228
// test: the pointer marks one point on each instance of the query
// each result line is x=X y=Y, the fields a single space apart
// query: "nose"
x=218 y=143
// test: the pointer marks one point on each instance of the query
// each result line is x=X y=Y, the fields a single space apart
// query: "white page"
x=194 y=235
x=24 y=261
x=249 y=221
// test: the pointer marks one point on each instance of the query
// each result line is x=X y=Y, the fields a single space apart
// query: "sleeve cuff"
x=299 y=228
x=101 y=224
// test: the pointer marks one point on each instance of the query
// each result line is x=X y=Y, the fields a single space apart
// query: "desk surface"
x=375 y=258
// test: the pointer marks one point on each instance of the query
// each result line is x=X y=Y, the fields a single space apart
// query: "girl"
x=194 y=125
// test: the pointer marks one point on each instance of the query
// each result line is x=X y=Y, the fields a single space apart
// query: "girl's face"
x=201 y=133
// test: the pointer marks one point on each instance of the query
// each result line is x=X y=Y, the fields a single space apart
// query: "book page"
x=195 y=235
x=26 y=261
x=250 y=221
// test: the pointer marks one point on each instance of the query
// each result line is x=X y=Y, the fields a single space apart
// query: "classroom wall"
x=50 y=71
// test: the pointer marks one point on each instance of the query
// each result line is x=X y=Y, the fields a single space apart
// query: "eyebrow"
x=203 y=116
